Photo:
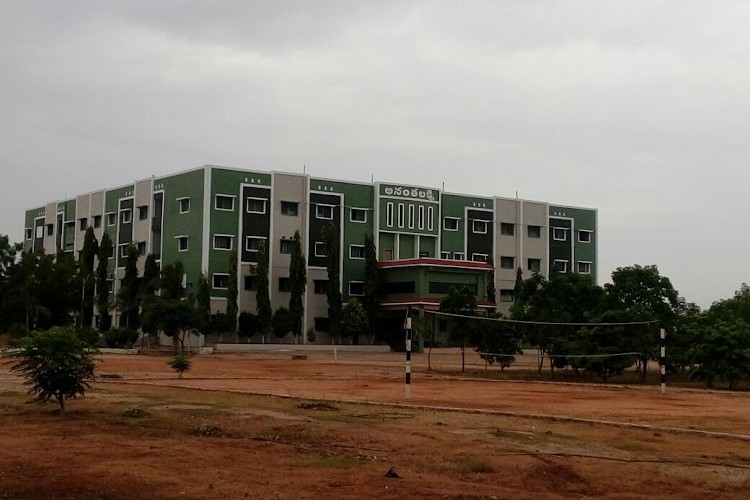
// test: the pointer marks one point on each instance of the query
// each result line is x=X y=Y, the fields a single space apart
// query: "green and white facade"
x=198 y=216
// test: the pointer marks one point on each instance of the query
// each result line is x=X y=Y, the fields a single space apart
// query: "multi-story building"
x=426 y=239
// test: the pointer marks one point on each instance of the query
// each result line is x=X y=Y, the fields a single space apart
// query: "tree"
x=232 y=307
x=283 y=322
x=249 y=324
x=498 y=342
x=297 y=284
x=491 y=291
x=149 y=285
x=180 y=363
x=56 y=364
x=372 y=280
x=601 y=342
x=723 y=352
x=333 y=287
x=176 y=318
x=88 y=278
x=128 y=297
x=102 y=283
x=170 y=282
x=463 y=302
x=354 y=320
x=203 y=298
x=262 y=299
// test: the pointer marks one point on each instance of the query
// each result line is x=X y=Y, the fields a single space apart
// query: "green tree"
x=56 y=364
x=283 y=322
x=262 y=299
x=102 y=283
x=176 y=318
x=149 y=285
x=170 y=282
x=333 y=287
x=460 y=301
x=491 y=291
x=249 y=324
x=372 y=281
x=128 y=297
x=498 y=342
x=601 y=343
x=203 y=297
x=722 y=352
x=180 y=363
x=232 y=291
x=297 y=284
x=88 y=277
x=354 y=320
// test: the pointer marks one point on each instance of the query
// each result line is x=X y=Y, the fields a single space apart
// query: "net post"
x=663 y=360
x=407 y=335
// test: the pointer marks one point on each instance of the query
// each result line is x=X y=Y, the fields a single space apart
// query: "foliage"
x=601 y=342
x=176 y=318
x=722 y=352
x=498 y=342
x=218 y=323
x=354 y=320
x=283 y=322
x=88 y=278
x=232 y=307
x=297 y=284
x=333 y=288
x=16 y=332
x=491 y=291
x=56 y=363
x=88 y=334
x=262 y=299
x=180 y=363
x=102 y=283
x=463 y=302
x=312 y=336
x=203 y=302
x=149 y=285
x=372 y=280
x=121 y=338
x=249 y=324
x=128 y=297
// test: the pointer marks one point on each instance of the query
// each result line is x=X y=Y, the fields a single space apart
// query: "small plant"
x=120 y=337
x=88 y=334
x=180 y=364
x=311 y=335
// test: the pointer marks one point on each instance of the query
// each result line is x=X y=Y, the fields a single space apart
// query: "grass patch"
x=334 y=463
x=475 y=465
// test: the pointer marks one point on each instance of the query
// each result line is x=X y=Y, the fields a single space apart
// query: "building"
x=426 y=239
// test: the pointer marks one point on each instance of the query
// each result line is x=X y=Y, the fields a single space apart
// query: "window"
x=250 y=284
x=223 y=241
x=224 y=202
x=324 y=212
x=220 y=281
x=507 y=228
x=411 y=216
x=320 y=249
x=50 y=229
x=182 y=243
x=507 y=262
x=83 y=223
x=252 y=243
x=97 y=221
x=285 y=246
x=450 y=224
x=559 y=234
x=111 y=252
x=285 y=285
x=40 y=231
x=534 y=231
x=506 y=295
x=584 y=267
x=479 y=226
x=389 y=214
x=320 y=287
x=430 y=212
x=400 y=215
x=143 y=212
x=289 y=208
x=28 y=233
x=534 y=264
x=458 y=256
x=441 y=287
x=420 y=218
x=584 y=236
x=398 y=287
x=445 y=255
x=356 y=288
x=124 y=250
x=479 y=257
x=255 y=205
x=358 y=215
x=560 y=265
x=184 y=205
x=357 y=251
x=141 y=248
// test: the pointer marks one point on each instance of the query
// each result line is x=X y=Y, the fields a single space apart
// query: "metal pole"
x=663 y=360
x=407 y=329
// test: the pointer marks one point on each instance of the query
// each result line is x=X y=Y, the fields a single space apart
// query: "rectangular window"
x=450 y=223
x=83 y=223
x=124 y=250
x=182 y=243
x=50 y=229
x=220 y=281
x=411 y=216
x=584 y=236
x=420 y=218
x=458 y=256
x=143 y=212
x=111 y=252
x=479 y=226
x=28 y=233
x=252 y=243
x=224 y=202
x=141 y=248
x=507 y=262
x=285 y=246
x=560 y=265
x=285 y=285
x=289 y=208
x=250 y=284
x=389 y=214
x=400 y=215
x=97 y=221
x=320 y=287
x=223 y=241
x=445 y=255
x=40 y=231
x=507 y=228
x=584 y=267
x=506 y=295
x=358 y=215
x=111 y=219
x=357 y=251
x=324 y=212
x=184 y=205
x=534 y=231
x=255 y=205
x=430 y=212
x=356 y=288
x=559 y=234
x=534 y=264
x=479 y=257
x=320 y=249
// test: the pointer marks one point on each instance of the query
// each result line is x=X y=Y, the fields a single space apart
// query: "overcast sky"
x=637 y=108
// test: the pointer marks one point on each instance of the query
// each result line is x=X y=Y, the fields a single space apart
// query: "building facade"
x=198 y=216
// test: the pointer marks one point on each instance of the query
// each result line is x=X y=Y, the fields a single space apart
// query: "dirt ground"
x=252 y=426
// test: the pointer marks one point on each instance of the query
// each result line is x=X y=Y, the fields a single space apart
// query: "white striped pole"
x=663 y=360
x=407 y=328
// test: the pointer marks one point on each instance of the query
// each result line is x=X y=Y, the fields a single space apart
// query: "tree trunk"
x=540 y=357
x=463 y=358
x=61 y=402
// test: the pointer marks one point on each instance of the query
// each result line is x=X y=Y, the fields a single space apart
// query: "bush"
x=311 y=335
x=220 y=323
x=88 y=334
x=283 y=322
x=16 y=333
x=180 y=364
x=249 y=324
x=121 y=337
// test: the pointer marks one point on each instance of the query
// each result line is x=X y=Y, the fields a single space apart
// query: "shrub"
x=16 y=333
x=180 y=364
x=120 y=337
x=311 y=335
x=249 y=324
x=88 y=334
